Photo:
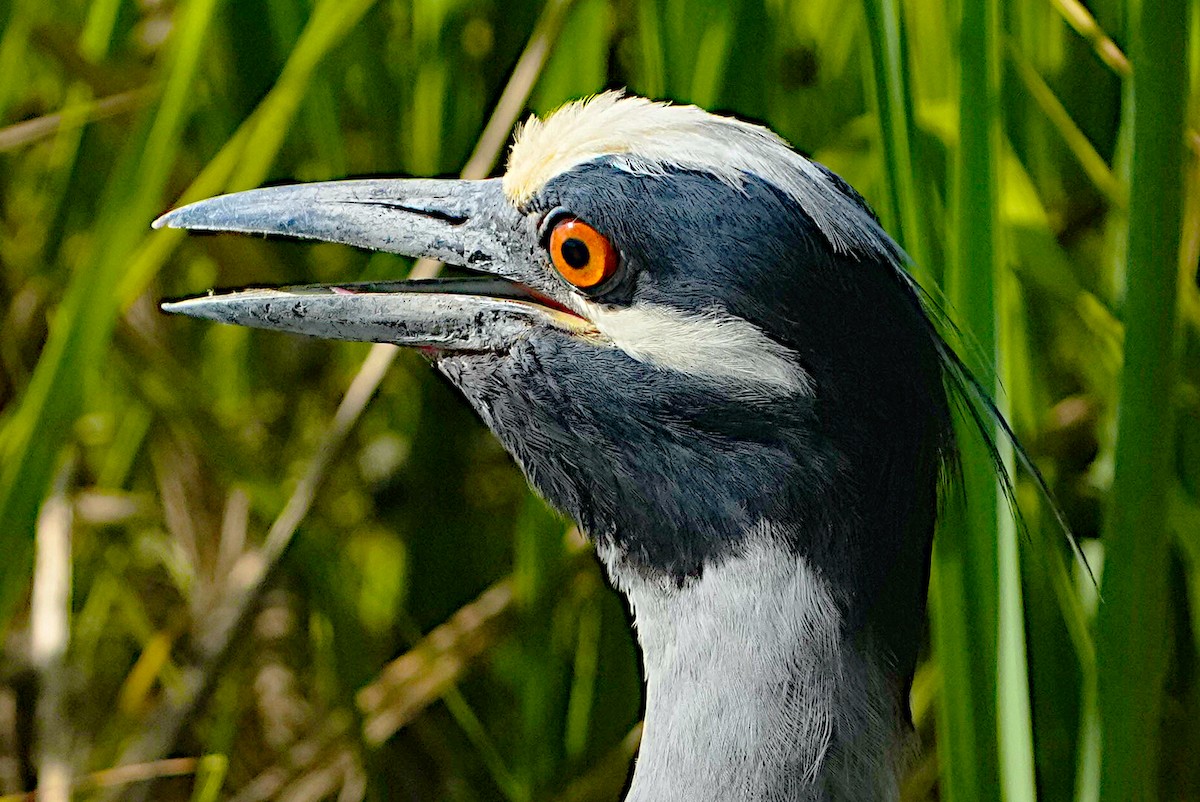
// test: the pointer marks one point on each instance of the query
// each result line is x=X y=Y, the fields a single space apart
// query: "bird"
x=702 y=347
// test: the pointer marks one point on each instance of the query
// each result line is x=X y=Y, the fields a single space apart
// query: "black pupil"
x=575 y=253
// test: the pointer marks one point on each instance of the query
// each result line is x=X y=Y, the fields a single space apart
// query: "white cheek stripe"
x=710 y=344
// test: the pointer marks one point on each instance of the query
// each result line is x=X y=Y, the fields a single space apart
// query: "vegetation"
x=228 y=575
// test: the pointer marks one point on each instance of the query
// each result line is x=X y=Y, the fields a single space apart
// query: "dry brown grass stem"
x=1079 y=18
x=120 y=776
x=29 y=131
x=49 y=625
x=411 y=682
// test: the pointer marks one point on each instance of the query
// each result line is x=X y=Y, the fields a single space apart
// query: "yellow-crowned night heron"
x=703 y=348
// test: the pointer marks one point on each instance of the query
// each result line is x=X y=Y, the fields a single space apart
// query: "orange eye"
x=582 y=254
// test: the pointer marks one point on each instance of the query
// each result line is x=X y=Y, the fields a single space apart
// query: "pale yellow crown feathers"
x=649 y=137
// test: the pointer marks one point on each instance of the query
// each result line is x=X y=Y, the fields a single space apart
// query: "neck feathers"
x=754 y=692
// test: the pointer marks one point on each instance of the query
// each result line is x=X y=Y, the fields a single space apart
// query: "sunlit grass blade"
x=712 y=54
x=579 y=63
x=210 y=776
x=1132 y=621
x=97 y=35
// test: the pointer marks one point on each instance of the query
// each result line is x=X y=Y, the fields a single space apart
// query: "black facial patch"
x=691 y=241
x=672 y=470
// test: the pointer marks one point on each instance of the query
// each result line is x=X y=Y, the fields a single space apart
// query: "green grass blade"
x=1132 y=621
x=984 y=717
x=245 y=159
x=84 y=320
x=581 y=704
x=210 y=777
x=18 y=23
x=652 y=75
x=539 y=553
x=1081 y=148
x=894 y=106
x=330 y=22
x=97 y=36
x=958 y=730
x=712 y=52
x=579 y=64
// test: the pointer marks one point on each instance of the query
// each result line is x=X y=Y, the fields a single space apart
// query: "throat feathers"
x=754 y=693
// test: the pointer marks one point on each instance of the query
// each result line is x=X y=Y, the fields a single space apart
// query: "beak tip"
x=204 y=215
x=201 y=306
x=181 y=217
x=174 y=307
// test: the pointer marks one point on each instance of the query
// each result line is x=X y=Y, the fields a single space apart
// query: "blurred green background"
x=250 y=584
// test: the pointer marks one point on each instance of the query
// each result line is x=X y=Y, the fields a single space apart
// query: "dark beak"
x=465 y=223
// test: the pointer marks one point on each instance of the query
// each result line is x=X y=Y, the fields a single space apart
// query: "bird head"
x=683 y=328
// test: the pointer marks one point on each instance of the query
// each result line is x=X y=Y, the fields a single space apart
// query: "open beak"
x=465 y=223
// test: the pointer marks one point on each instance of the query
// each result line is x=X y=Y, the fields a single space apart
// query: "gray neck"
x=752 y=694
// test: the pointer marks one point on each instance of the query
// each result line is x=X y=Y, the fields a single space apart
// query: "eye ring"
x=581 y=254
